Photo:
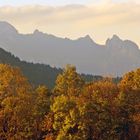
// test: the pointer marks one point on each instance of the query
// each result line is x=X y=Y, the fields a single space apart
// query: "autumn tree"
x=96 y=106
x=130 y=86
x=15 y=104
x=41 y=109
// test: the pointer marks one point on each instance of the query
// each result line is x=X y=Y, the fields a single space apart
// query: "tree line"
x=73 y=110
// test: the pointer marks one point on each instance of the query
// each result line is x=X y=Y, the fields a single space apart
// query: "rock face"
x=116 y=57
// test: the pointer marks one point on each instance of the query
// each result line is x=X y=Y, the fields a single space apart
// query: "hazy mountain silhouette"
x=116 y=57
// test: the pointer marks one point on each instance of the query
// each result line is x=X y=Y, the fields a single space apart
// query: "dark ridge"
x=38 y=74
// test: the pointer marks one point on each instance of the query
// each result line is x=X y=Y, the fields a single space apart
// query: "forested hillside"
x=38 y=74
x=72 y=110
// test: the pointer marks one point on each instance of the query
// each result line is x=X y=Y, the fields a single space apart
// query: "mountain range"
x=114 y=58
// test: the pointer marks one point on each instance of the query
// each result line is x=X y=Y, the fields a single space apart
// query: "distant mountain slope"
x=36 y=73
x=39 y=73
x=114 y=58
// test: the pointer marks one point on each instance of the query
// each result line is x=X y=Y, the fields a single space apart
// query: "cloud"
x=99 y=20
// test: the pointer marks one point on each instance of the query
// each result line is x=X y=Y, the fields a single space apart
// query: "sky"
x=75 y=18
x=48 y=2
x=57 y=2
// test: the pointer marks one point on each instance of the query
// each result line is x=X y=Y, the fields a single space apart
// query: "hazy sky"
x=74 y=18
x=51 y=2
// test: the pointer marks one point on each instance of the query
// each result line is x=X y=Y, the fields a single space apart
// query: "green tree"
x=68 y=87
x=69 y=82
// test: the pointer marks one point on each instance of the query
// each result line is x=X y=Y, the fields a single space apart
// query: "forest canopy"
x=72 y=110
